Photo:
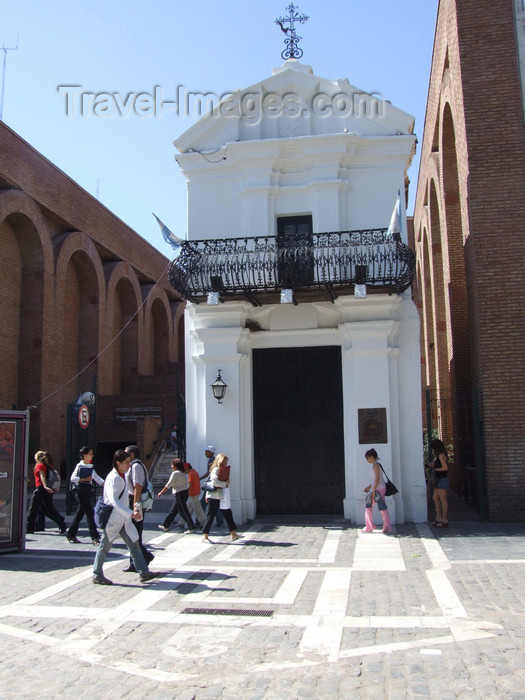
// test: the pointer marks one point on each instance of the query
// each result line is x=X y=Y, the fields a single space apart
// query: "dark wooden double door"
x=298 y=431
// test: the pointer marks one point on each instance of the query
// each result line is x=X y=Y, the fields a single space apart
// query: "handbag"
x=432 y=477
x=391 y=489
x=207 y=486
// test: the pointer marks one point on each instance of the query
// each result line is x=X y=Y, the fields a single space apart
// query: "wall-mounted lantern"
x=219 y=387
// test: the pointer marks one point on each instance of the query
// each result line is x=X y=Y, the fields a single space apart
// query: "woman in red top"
x=43 y=496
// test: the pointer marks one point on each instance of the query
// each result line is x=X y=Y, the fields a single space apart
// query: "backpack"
x=148 y=495
x=53 y=479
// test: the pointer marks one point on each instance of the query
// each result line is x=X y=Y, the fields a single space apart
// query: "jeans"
x=105 y=546
x=139 y=524
x=378 y=499
x=85 y=507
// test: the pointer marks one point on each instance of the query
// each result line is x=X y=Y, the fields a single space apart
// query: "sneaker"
x=163 y=528
x=188 y=532
x=74 y=540
x=102 y=580
x=144 y=578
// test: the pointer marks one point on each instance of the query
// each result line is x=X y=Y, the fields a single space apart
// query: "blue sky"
x=127 y=46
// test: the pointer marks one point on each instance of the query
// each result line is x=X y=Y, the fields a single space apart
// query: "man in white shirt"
x=137 y=478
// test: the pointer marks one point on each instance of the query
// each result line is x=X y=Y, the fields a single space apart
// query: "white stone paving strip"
x=331 y=543
x=377 y=552
x=324 y=633
x=290 y=587
x=444 y=592
x=332 y=599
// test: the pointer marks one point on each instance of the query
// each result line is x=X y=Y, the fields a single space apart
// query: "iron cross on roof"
x=291 y=41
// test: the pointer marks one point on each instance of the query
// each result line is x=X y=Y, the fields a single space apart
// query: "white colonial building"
x=300 y=296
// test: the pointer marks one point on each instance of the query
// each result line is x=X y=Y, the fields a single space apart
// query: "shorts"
x=443 y=483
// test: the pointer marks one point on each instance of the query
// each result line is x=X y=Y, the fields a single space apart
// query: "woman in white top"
x=178 y=482
x=215 y=498
x=376 y=494
x=119 y=523
x=82 y=479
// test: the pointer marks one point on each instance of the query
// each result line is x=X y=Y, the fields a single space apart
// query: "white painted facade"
x=344 y=169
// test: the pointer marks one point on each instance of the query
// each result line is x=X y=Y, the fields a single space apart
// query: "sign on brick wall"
x=132 y=413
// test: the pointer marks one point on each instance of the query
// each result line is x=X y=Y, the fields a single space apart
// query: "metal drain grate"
x=227 y=611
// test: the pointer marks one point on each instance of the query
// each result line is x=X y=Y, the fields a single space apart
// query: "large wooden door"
x=298 y=430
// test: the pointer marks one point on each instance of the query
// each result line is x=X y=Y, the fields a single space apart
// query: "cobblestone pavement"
x=291 y=611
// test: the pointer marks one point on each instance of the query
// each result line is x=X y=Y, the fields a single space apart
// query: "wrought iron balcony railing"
x=331 y=262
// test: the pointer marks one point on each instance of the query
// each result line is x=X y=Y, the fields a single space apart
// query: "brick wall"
x=72 y=275
x=473 y=157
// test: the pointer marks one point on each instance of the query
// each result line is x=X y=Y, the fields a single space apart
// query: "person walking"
x=120 y=523
x=178 y=482
x=174 y=439
x=82 y=479
x=376 y=494
x=43 y=495
x=214 y=501
x=194 y=495
x=209 y=453
x=137 y=479
x=439 y=495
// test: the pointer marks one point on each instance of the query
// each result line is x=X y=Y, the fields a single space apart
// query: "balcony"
x=319 y=266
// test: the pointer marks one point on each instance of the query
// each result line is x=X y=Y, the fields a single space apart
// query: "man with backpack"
x=137 y=478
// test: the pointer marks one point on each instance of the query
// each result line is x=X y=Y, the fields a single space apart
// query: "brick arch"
x=457 y=332
x=124 y=327
x=428 y=315
x=170 y=311
x=26 y=270
x=80 y=305
x=17 y=207
x=437 y=288
x=179 y=327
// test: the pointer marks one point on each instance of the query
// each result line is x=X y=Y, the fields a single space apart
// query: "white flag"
x=395 y=220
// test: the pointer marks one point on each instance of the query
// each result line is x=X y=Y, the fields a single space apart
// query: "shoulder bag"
x=391 y=490
x=104 y=510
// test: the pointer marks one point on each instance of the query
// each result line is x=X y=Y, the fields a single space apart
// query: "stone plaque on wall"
x=372 y=426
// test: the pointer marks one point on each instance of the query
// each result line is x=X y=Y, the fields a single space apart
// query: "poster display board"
x=14 y=430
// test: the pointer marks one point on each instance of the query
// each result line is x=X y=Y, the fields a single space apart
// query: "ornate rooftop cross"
x=291 y=41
